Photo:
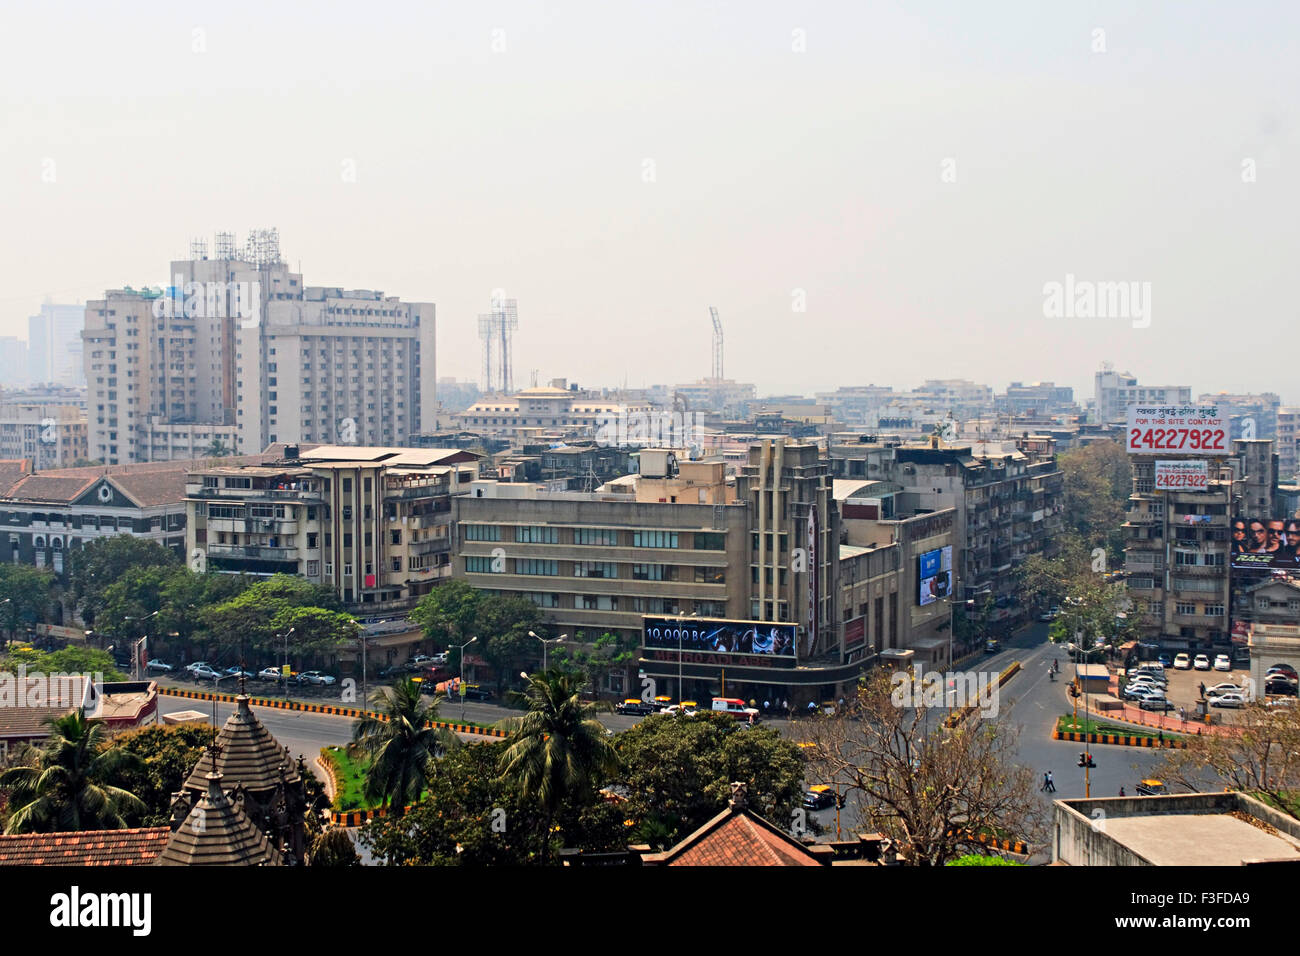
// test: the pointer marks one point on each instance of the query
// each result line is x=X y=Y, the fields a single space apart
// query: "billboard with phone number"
x=1186 y=429
x=1181 y=476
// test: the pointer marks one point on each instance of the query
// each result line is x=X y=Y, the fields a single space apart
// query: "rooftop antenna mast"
x=717 y=344
x=496 y=329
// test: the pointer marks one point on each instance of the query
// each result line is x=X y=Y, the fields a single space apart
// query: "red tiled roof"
x=12 y=471
x=737 y=838
x=84 y=848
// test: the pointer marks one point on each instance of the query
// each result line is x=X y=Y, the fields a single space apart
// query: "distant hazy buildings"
x=1115 y=391
x=54 y=345
x=52 y=436
x=1045 y=399
x=556 y=408
x=1249 y=415
x=13 y=362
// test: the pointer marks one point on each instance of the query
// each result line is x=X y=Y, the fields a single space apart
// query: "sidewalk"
x=1132 y=714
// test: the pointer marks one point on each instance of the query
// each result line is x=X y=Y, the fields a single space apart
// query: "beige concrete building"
x=554 y=409
x=52 y=436
x=372 y=523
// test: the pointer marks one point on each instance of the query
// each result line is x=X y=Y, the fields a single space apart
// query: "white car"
x=1222 y=663
x=193 y=668
x=1144 y=680
x=1182 y=662
x=1202 y=662
x=157 y=666
x=1229 y=700
x=1227 y=687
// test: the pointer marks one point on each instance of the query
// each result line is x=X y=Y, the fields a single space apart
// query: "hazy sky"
x=508 y=145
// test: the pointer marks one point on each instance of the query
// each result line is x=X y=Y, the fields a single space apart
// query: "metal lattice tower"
x=225 y=246
x=496 y=329
x=717 y=344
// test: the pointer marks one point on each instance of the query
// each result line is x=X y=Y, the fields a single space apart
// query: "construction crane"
x=717 y=344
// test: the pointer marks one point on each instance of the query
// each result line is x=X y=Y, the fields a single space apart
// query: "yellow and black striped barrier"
x=328 y=709
x=1121 y=740
x=997 y=843
x=956 y=717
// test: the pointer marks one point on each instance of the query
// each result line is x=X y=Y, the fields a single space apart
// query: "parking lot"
x=1184 y=690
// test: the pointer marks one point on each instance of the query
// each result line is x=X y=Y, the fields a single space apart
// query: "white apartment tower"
x=235 y=353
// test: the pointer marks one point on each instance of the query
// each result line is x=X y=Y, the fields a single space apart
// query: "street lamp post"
x=461 y=686
x=284 y=678
x=554 y=640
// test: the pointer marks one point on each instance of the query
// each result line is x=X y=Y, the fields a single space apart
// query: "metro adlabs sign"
x=1185 y=429
x=1181 y=476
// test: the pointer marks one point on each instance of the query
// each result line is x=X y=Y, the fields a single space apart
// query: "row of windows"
x=597 y=537
x=602 y=569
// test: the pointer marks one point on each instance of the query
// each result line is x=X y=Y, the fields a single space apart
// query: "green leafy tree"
x=447 y=614
x=26 y=595
x=333 y=848
x=94 y=568
x=400 y=744
x=167 y=756
x=258 y=617
x=557 y=749
x=1097 y=483
x=677 y=772
x=75 y=786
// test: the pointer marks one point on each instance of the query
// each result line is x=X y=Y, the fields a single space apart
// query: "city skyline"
x=758 y=160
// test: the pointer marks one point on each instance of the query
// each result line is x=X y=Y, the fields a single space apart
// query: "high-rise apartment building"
x=54 y=345
x=52 y=436
x=235 y=354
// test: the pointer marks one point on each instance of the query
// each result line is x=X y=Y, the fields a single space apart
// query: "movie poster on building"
x=814 y=567
x=934 y=575
x=1266 y=544
x=1188 y=475
x=1177 y=429
x=708 y=641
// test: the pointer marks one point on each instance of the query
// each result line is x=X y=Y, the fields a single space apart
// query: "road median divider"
x=330 y=710
x=959 y=716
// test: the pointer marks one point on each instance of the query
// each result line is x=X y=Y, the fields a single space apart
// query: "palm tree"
x=557 y=748
x=217 y=449
x=70 y=788
x=401 y=746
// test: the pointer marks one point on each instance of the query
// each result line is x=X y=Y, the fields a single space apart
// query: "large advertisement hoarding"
x=934 y=575
x=1186 y=475
x=756 y=639
x=1266 y=544
x=1185 y=429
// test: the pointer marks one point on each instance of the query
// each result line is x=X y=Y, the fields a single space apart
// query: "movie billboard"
x=714 y=636
x=935 y=575
x=1265 y=544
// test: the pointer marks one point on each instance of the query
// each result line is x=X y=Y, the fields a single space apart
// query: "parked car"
x=204 y=672
x=1280 y=685
x=158 y=667
x=477 y=692
x=1227 y=687
x=195 y=666
x=1182 y=662
x=1283 y=670
x=397 y=670
x=237 y=672
x=1137 y=691
x=1156 y=701
x=1165 y=660
x=1222 y=662
x=422 y=661
x=1202 y=662
x=315 y=678
x=1153 y=667
x=269 y=673
x=819 y=797
x=1228 y=700
x=686 y=707
x=636 y=708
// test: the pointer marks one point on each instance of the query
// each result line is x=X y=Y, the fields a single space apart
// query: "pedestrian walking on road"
x=1162 y=737
x=1043 y=787
x=1051 y=784
x=1121 y=791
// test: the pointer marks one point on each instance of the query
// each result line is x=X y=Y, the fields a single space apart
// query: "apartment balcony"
x=1140 y=519
x=440 y=490
x=1219 y=621
x=431 y=547
x=1201 y=571
x=1199 y=521
x=253 y=551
